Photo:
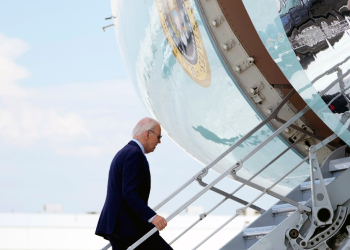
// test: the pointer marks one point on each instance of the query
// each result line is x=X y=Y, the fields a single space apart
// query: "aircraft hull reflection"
x=178 y=74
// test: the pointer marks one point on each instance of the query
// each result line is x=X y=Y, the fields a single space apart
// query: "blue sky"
x=67 y=106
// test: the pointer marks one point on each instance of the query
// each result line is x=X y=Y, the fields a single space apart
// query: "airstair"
x=312 y=216
x=335 y=166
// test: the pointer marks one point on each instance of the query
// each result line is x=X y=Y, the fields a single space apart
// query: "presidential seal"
x=182 y=33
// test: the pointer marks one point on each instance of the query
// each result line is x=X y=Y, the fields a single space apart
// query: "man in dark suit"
x=126 y=216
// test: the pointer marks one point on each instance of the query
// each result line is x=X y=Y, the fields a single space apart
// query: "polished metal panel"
x=306 y=38
x=203 y=116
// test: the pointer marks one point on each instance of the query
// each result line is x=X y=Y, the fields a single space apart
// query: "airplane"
x=241 y=86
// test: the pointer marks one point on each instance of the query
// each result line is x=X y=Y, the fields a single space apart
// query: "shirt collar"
x=140 y=145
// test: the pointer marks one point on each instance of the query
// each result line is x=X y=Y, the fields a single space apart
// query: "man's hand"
x=159 y=222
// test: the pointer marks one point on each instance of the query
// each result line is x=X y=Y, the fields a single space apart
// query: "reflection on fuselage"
x=205 y=113
x=306 y=39
x=313 y=26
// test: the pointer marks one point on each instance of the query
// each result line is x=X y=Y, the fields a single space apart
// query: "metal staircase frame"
x=202 y=216
x=237 y=166
x=339 y=194
x=232 y=170
x=314 y=179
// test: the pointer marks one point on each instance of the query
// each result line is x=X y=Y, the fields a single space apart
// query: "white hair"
x=144 y=125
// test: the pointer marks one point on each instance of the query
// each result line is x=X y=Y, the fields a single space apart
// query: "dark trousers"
x=155 y=242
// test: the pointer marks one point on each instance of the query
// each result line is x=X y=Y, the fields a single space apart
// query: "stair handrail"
x=334 y=82
x=238 y=165
x=232 y=169
x=205 y=170
x=241 y=210
x=329 y=87
x=330 y=71
x=204 y=215
x=107 y=247
x=267 y=190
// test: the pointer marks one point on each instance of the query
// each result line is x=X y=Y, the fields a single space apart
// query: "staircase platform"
x=307 y=185
x=284 y=208
x=257 y=232
x=333 y=169
x=339 y=164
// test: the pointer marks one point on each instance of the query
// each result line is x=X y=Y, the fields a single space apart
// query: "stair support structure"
x=338 y=191
x=202 y=173
x=322 y=210
x=205 y=170
x=204 y=215
x=266 y=191
x=233 y=169
x=231 y=197
x=321 y=207
x=238 y=165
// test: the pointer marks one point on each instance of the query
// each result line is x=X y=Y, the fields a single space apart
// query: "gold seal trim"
x=182 y=33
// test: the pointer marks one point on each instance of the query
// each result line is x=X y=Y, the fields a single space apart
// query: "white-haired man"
x=126 y=216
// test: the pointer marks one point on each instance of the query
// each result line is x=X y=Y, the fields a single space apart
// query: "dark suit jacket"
x=126 y=212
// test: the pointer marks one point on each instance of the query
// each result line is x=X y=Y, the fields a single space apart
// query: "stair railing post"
x=189 y=202
x=233 y=169
x=204 y=171
x=330 y=71
x=204 y=215
x=334 y=83
x=230 y=149
x=240 y=211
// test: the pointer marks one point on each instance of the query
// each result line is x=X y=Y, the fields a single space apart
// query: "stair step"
x=307 y=185
x=257 y=231
x=284 y=208
x=339 y=164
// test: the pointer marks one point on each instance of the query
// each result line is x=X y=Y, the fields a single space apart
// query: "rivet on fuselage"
x=228 y=45
x=217 y=21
